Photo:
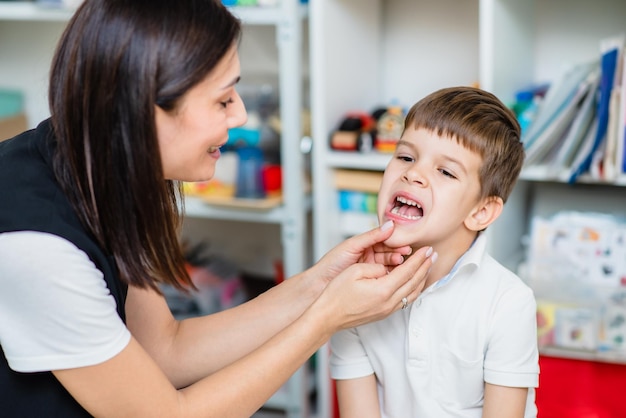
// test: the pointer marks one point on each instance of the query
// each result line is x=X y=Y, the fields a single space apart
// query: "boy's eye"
x=227 y=102
x=405 y=158
x=446 y=173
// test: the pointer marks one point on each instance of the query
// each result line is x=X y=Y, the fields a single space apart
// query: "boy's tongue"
x=409 y=211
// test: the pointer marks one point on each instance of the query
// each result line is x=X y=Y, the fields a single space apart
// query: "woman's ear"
x=483 y=215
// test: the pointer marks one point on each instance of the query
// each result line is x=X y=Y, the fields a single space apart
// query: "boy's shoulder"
x=497 y=275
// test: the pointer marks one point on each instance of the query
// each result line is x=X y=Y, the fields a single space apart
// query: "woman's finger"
x=412 y=276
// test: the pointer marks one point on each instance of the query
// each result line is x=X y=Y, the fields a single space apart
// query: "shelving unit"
x=28 y=35
x=367 y=53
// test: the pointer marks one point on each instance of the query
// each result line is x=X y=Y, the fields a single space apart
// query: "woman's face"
x=191 y=135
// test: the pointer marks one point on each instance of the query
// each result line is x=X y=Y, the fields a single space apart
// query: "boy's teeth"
x=404 y=211
x=396 y=211
x=408 y=202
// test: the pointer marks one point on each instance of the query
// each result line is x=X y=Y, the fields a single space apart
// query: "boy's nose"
x=413 y=175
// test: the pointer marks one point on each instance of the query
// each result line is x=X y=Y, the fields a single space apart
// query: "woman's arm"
x=191 y=349
x=132 y=384
x=504 y=402
x=358 y=398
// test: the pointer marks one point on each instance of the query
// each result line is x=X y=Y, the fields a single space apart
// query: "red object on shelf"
x=571 y=388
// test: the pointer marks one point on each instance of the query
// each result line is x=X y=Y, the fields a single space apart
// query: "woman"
x=142 y=94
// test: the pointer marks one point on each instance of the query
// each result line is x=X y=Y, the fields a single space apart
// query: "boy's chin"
x=400 y=239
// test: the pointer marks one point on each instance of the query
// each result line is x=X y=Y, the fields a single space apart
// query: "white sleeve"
x=348 y=358
x=56 y=311
x=512 y=357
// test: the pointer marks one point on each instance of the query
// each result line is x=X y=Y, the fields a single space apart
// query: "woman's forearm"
x=190 y=349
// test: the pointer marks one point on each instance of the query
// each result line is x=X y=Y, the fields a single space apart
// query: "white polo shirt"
x=476 y=325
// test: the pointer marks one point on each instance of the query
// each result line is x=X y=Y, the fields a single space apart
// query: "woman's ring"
x=405 y=303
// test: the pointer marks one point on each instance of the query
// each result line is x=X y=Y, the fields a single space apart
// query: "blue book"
x=608 y=64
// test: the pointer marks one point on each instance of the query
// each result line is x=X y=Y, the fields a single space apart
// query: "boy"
x=467 y=346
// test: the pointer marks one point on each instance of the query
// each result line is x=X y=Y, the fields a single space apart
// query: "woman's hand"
x=367 y=247
x=366 y=292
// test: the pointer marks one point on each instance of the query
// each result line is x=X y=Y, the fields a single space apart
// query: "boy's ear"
x=484 y=213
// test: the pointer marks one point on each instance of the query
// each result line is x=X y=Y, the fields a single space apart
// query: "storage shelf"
x=34 y=27
x=507 y=45
x=29 y=11
x=356 y=160
x=540 y=174
x=198 y=208
x=602 y=357
x=264 y=15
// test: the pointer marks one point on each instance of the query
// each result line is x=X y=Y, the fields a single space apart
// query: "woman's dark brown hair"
x=116 y=60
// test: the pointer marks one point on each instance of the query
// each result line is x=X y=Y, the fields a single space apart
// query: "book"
x=578 y=130
x=585 y=149
x=610 y=49
x=620 y=159
x=609 y=160
x=554 y=134
x=558 y=97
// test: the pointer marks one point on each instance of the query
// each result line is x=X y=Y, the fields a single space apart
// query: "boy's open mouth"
x=407 y=208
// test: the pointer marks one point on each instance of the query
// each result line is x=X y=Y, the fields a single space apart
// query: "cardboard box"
x=13 y=125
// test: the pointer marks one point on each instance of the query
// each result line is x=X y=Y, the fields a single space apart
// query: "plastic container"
x=250 y=173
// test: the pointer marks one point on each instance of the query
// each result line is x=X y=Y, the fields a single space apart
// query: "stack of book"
x=580 y=125
x=357 y=198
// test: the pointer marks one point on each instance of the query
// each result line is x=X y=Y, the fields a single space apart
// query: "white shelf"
x=198 y=208
x=364 y=161
x=265 y=15
x=601 y=357
x=541 y=174
x=30 y=11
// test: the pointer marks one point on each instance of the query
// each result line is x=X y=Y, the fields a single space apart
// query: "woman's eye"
x=227 y=102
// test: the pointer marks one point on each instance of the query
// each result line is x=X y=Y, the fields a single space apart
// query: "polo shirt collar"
x=472 y=257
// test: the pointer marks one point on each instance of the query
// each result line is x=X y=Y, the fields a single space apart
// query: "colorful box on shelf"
x=11 y=102
x=358 y=180
x=13 y=125
x=577 y=268
x=12 y=120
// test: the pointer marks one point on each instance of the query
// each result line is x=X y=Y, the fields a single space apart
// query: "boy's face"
x=429 y=189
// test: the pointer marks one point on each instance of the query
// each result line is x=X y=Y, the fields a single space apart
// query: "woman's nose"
x=238 y=115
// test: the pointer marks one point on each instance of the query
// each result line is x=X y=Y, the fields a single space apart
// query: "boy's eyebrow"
x=456 y=162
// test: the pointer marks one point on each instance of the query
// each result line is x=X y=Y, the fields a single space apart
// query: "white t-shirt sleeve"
x=348 y=358
x=512 y=356
x=56 y=311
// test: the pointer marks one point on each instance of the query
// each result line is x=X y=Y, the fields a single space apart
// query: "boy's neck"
x=448 y=254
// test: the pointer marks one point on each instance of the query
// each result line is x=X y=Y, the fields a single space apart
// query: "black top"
x=32 y=200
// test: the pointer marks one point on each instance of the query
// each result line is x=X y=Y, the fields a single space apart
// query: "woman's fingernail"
x=434 y=257
x=429 y=251
x=386 y=225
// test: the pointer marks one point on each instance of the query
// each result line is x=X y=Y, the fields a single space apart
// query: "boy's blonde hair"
x=479 y=121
